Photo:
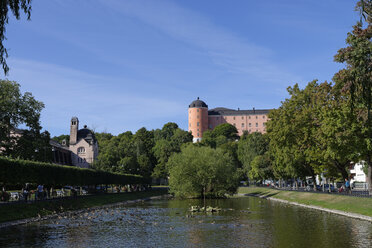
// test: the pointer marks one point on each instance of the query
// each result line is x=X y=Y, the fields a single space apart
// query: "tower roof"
x=86 y=134
x=198 y=104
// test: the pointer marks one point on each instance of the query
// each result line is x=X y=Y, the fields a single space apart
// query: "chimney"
x=254 y=111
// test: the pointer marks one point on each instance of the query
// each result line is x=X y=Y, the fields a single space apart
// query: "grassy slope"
x=338 y=202
x=9 y=212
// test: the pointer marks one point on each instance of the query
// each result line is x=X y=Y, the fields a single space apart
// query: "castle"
x=202 y=119
x=83 y=145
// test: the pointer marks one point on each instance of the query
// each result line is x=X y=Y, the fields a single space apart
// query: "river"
x=244 y=222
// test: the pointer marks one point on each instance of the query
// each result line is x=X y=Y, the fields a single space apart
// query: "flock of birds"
x=128 y=217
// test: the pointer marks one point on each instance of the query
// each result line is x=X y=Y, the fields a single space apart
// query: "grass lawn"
x=351 y=204
x=16 y=211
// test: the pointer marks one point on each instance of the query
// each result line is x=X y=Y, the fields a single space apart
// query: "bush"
x=23 y=171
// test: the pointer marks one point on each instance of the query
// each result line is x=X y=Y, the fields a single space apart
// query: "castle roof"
x=198 y=104
x=226 y=111
x=86 y=134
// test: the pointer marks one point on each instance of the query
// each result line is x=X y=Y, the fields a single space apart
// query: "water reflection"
x=245 y=222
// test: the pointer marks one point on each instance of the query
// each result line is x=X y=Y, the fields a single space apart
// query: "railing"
x=57 y=194
x=356 y=192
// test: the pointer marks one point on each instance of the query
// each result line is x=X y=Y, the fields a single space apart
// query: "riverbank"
x=18 y=211
x=360 y=208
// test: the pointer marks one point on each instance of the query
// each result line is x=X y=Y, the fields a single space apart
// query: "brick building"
x=202 y=119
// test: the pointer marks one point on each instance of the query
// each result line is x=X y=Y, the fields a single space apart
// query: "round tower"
x=198 y=119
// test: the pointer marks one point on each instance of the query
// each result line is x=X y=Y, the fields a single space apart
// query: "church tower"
x=74 y=127
x=198 y=119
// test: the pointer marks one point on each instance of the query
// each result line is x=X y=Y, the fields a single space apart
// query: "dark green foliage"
x=22 y=171
x=356 y=80
x=198 y=169
x=15 y=110
x=62 y=138
x=144 y=153
x=226 y=130
x=250 y=146
x=170 y=140
x=15 y=6
x=33 y=146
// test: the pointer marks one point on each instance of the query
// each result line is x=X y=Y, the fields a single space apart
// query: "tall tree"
x=16 y=109
x=171 y=141
x=15 y=6
x=250 y=146
x=356 y=79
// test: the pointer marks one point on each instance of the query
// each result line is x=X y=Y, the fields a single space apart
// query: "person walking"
x=347 y=185
x=25 y=192
x=40 y=191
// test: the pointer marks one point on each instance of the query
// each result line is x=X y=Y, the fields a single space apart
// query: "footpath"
x=359 y=208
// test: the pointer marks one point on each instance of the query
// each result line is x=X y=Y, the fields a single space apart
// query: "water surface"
x=245 y=222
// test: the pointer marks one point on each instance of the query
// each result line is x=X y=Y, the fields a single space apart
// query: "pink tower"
x=198 y=119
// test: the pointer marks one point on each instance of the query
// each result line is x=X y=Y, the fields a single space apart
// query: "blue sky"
x=125 y=64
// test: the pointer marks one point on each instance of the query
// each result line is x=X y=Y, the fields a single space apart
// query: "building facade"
x=202 y=119
x=83 y=145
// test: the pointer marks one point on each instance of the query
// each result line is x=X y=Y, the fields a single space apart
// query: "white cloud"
x=226 y=49
x=97 y=100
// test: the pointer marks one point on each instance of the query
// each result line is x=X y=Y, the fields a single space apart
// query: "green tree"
x=356 y=79
x=172 y=138
x=261 y=168
x=291 y=133
x=143 y=141
x=16 y=109
x=15 y=6
x=199 y=171
x=61 y=138
x=250 y=146
x=226 y=130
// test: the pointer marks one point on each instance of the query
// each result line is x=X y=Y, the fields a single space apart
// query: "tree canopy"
x=197 y=171
x=18 y=109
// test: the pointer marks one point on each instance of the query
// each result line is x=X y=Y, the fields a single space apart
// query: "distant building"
x=83 y=145
x=202 y=119
x=356 y=172
x=61 y=153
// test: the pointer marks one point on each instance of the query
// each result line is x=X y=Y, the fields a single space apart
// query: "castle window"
x=198 y=134
x=198 y=116
x=197 y=123
x=234 y=125
x=263 y=124
x=198 y=129
x=234 y=117
x=256 y=124
x=242 y=125
x=81 y=150
x=256 y=117
x=250 y=124
x=249 y=117
x=210 y=126
x=242 y=118
x=263 y=117
x=197 y=110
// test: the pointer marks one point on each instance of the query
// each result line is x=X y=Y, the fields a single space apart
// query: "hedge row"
x=23 y=171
